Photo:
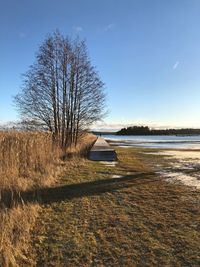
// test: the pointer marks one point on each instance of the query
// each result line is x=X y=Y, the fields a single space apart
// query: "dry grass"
x=82 y=148
x=92 y=218
x=27 y=161
x=16 y=224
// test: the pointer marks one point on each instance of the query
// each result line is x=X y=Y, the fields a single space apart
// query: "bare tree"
x=62 y=90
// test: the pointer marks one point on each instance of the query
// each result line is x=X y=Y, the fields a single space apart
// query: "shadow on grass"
x=69 y=192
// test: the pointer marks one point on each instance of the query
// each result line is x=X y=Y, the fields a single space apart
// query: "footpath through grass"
x=123 y=215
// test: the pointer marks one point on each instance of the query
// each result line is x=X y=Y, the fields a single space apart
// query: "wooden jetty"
x=101 y=151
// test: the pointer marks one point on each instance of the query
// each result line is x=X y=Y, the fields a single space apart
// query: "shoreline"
x=154 y=144
x=183 y=165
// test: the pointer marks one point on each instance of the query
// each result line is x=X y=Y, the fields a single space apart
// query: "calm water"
x=156 y=141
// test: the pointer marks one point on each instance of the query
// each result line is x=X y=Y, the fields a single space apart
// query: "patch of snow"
x=109 y=163
x=181 y=160
x=181 y=177
x=116 y=176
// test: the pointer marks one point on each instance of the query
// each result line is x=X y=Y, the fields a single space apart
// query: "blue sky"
x=147 y=53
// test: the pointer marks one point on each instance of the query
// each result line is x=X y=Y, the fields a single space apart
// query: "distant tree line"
x=145 y=130
x=62 y=91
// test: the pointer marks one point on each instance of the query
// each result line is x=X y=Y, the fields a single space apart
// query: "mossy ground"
x=123 y=215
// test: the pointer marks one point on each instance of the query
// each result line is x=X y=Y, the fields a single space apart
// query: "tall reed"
x=28 y=160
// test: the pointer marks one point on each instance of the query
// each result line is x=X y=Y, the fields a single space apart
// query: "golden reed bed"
x=27 y=160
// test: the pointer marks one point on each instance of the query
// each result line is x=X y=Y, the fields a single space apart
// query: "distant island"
x=145 y=130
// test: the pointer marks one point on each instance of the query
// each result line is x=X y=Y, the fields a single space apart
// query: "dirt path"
x=133 y=219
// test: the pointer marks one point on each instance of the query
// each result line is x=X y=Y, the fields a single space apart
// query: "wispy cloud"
x=175 y=66
x=77 y=29
x=109 y=27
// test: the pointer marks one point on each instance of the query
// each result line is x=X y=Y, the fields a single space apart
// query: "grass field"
x=123 y=215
